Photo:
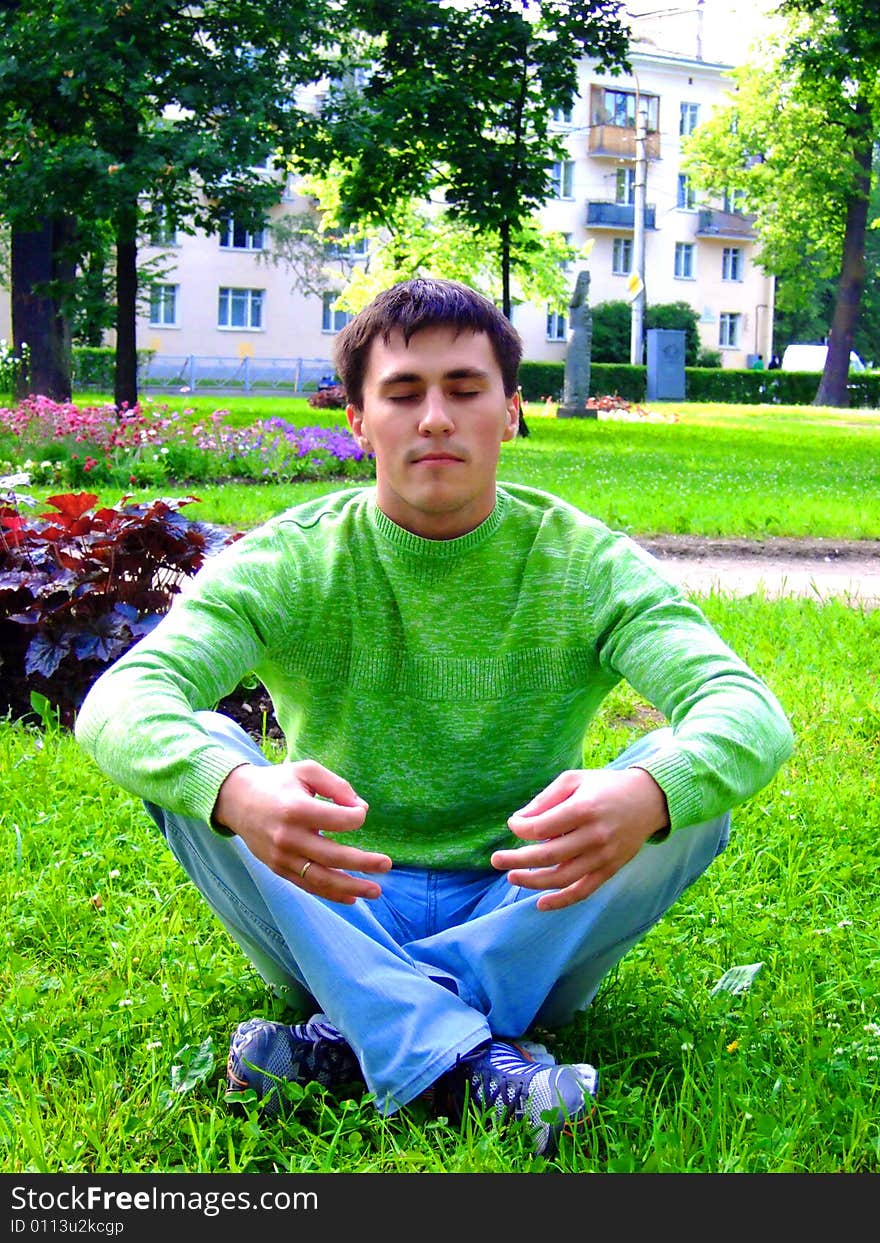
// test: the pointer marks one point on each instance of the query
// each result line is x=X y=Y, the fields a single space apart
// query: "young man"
x=433 y=870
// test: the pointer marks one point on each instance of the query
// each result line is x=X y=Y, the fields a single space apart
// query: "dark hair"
x=424 y=302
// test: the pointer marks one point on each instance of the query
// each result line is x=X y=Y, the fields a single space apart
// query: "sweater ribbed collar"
x=437 y=549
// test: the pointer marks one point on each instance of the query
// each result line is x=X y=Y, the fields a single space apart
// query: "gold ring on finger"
x=305 y=867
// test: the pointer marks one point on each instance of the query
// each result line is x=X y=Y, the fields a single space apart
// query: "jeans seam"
x=268 y=930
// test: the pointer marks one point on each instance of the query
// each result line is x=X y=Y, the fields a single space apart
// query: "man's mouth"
x=439 y=456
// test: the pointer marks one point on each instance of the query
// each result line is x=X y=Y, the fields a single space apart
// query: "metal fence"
x=209 y=373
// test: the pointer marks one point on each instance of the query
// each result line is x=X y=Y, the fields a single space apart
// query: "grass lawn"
x=119 y=990
x=717 y=470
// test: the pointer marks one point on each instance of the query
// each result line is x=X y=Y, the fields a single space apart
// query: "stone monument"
x=576 y=389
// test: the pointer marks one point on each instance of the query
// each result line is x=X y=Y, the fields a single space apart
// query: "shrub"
x=681 y=316
x=79 y=586
x=612 y=330
x=94 y=366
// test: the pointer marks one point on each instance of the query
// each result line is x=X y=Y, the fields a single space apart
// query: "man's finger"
x=325 y=783
x=336 y=885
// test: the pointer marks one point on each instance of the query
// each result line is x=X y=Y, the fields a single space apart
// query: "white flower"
x=125 y=1001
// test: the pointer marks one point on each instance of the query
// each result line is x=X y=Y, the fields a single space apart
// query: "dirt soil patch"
x=779 y=548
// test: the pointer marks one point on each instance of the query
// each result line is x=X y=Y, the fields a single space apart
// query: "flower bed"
x=77 y=445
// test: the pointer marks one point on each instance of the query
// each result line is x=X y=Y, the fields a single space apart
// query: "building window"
x=566 y=264
x=729 y=328
x=684 y=260
x=688 y=118
x=562 y=179
x=625 y=187
x=163 y=306
x=734 y=200
x=240 y=308
x=619 y=108
x=557 y=326
x=162 y=232
x=345 y=248
x=331 y=320
x=731 y=264
x=622 y=256
x=562 y=116
x=687 y=195
x=234 y=236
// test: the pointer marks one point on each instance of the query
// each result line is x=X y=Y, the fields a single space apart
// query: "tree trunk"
x=125 y=392
x=38 y=265
x=833 y=390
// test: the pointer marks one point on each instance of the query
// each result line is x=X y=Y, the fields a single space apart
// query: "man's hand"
x=280 y=812
x=586 y=825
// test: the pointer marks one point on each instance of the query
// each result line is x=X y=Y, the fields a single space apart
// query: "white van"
x=812 y=358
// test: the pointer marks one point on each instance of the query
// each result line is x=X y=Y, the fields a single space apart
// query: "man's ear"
x=511 y=426
x=356 y=423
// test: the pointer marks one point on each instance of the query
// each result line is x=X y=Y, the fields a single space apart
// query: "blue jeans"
x=442 y=960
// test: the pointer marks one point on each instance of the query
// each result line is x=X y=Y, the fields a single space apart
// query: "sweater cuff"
x=672 y=772
x=205 y=775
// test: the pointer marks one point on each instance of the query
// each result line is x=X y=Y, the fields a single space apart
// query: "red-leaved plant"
x=79 y=586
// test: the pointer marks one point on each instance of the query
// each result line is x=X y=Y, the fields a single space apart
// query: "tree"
x=460 y=100
x=416 y=238
x=124 y=110
x=798 y=142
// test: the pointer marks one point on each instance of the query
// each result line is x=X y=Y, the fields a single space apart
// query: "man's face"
x=435 y=414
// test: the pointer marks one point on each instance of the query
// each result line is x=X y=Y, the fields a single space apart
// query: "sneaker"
x=505 y=1082
x=262 y=1052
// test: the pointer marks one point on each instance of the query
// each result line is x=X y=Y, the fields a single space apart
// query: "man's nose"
x=436 y=418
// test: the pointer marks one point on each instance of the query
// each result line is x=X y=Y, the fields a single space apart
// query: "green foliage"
x=678 y=315
x=612 y=330
x=93 y=366
x=540 y=380
x=115 y=115
x=459 y=100
x=809 y=195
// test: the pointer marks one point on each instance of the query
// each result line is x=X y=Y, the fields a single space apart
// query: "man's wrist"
x=655 y=804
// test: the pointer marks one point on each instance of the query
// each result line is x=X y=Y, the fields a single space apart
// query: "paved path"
x=821 y=569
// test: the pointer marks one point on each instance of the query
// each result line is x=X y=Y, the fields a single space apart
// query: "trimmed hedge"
x=540 y=380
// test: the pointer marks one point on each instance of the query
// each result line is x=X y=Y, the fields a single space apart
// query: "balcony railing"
x=616 y=216
x=726 y=224
x=620 y=141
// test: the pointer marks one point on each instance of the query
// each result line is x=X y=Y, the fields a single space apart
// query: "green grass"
x=118 y=985
x=119 y=989
x=717 y=471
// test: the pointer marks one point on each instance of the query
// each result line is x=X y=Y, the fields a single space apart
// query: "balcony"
x=725 y=224
x=616 y=216
x=619 y=142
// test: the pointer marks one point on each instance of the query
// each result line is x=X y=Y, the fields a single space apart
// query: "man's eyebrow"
x=413 y=377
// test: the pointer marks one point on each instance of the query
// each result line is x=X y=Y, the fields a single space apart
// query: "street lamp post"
x=636 y=352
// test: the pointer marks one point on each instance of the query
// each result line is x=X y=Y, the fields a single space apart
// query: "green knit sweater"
x=448 y=680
